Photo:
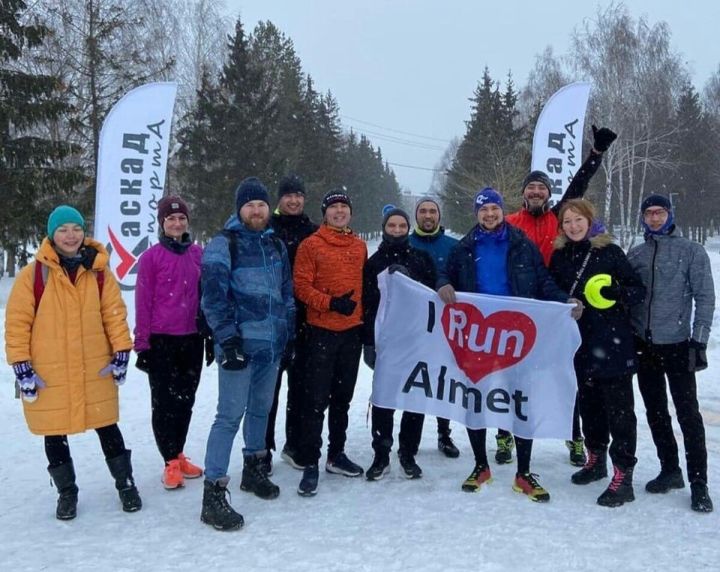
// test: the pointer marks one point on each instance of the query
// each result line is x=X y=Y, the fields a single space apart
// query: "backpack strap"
x=41 y=278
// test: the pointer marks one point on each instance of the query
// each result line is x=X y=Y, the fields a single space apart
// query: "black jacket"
x=292 y=230
x=420 y=266
x=528 y=276
x=607 y=339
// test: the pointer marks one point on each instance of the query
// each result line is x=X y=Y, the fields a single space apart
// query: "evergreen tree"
x=35 y=173
x=492 y=153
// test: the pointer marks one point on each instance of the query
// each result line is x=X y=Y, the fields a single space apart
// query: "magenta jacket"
x=167 y=293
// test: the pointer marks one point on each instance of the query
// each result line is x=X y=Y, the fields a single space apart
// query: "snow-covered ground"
x=351 y=524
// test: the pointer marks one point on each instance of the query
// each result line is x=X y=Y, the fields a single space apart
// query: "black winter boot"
x=595 y=468
x=121 y=470
x=620 y=489
x=446 y=445
x=64 y=478
x=379 y=468
x=255 y=479
x=216 y=511
x=410 y=468
x=666 y=480
x=700 y=500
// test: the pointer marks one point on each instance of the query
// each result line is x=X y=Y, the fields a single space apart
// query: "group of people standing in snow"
x=275 y=293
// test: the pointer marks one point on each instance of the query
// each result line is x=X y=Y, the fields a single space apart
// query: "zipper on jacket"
x=272 y=280
x=648 y=331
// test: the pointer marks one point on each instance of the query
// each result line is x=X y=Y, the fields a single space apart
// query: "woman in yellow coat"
x=67 y=339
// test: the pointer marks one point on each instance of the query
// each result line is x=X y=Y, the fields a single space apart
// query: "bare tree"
x=637 y=79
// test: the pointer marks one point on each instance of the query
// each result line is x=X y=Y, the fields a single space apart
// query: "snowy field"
x=352 y=524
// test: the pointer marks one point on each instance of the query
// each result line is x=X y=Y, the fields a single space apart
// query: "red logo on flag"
x=485 y=344
x=127 y=260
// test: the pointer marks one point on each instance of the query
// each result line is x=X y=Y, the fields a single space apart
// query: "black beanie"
x=291 y=184
x=537 y=177
x=392 y=210
x=251 y=189
x=336 y=196
x=656 y=201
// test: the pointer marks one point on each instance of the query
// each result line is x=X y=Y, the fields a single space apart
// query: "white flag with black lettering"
x=557 y=142
x=132 y=160
x=485 y=361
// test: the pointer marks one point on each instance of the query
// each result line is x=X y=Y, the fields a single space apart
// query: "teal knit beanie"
x=63 y=215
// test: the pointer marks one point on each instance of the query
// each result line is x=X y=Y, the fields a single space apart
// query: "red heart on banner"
x=482 y=345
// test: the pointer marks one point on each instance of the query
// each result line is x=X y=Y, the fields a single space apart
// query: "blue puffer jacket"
x=255 y=298
x=438 y=245
x=527 y=273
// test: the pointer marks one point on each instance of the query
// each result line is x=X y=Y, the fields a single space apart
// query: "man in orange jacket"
x=328 y=278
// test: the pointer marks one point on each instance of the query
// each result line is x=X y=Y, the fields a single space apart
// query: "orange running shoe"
x=189 y=471
x=172 y=475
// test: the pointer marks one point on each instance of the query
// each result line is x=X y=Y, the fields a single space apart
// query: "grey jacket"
x=675 y=272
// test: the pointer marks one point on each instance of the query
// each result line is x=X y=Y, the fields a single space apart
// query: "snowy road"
x=352 y=524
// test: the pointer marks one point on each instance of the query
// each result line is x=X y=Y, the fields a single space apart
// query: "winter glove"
x=143 y=361
x=288 y=356
x=612 y=292
x=209 y=350
x=343 y=305
x=369 y=356
x=602 y=138
x=697 y=356
x=577 y=311
x=117 y=367
x=28 y=382
x=398 y=268
x=233 y=357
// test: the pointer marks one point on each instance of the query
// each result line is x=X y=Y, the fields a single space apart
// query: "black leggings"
x=57 y=448
x=523 y=447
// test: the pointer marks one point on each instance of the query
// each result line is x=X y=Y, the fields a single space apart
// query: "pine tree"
x=35 y=173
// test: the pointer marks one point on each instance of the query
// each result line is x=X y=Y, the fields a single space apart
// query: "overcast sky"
x=410 y=66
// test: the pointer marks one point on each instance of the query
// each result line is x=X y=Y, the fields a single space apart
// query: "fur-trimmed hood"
x=599 y=241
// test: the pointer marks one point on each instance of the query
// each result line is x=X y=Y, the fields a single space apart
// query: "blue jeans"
x=244 y=393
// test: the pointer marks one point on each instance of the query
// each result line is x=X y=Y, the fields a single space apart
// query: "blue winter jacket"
x=526 y=271
x=437 y=245
x=254 y=299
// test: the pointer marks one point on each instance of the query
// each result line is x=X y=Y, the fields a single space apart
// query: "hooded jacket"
x=330 y=263
x=607 y=348
x=676 y=271
x=68 y=340
x=247 y=287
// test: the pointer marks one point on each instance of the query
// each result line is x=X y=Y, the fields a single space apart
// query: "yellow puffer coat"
x=70 y=338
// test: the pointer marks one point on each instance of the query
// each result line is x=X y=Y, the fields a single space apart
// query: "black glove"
x=288 y=356
x=612 y=292
x=343 y=305
x=697 y=356
x=602 y=138
x=369 y=356
x=398 y=268
x=233 y=357
x=209 y=350
x=143 y=361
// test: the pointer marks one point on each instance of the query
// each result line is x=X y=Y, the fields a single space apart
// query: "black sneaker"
x=216 y=511
x=577 y=452
x=309 y=483
x=341 y=465
x=505 y=446
x=700 y=498
x=620 y=489
x=379 y=468
x=255 y=479
x=410 y=468
x=595 y=468
x=666 y=480
x=289 y=455
x=447 y=447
